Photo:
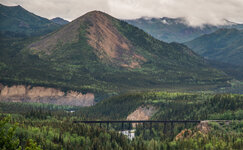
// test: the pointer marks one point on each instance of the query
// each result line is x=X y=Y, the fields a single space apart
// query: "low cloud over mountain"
x=196 y=12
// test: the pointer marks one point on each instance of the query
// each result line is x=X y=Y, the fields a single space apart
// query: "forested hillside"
x=52 y=127
x=172 y=106
x=18 y=22
x=60 y=21
x=224 y=45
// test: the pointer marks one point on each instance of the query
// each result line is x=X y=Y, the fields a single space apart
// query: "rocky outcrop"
x=22 y=93
x=186 y=133
x=142 y=113
x=203 y=127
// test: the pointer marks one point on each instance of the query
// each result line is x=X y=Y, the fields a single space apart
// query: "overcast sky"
x=197 y=12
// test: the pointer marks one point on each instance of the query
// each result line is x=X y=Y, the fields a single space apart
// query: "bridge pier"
x=172 y=128
x=150 y=128
x=164 y=128
x=143 y=128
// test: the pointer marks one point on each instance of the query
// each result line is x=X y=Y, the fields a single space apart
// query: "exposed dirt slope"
x=203 y=127
x=21 y=93
x=142 y=113
x=109 y=43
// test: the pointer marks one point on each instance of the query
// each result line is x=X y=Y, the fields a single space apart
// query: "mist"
x=196 y=12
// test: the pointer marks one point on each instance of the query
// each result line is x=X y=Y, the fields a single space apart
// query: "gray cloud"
x=197 y=12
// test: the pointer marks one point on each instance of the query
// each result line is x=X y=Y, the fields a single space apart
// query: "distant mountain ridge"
x=176 y=29
x=223 y=45
x=18 y=22
x=59 y=21
x=100 y=54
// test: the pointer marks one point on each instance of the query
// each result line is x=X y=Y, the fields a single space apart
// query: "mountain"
x=59 y=21
x=99 y=54
x=176 y=29
x=18 y=22
x=224 y=45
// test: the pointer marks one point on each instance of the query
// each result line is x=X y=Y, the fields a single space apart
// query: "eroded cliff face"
x=21 y=93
